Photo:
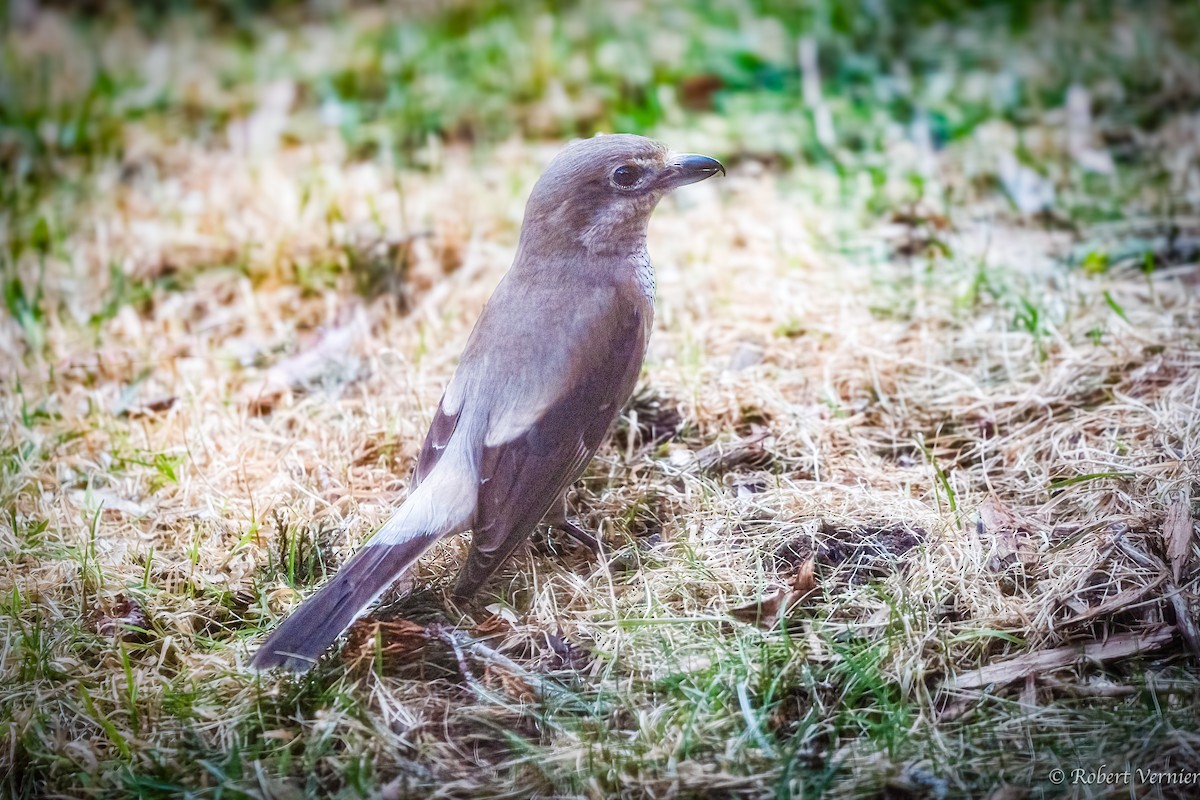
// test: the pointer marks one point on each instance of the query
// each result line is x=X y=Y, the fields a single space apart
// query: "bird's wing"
x=541 y=454
x=440 y=431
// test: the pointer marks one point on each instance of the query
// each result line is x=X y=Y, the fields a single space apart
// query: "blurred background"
x=1076 y=91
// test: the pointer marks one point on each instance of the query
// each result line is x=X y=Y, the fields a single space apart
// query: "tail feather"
x=442 y=505
x=301 y=639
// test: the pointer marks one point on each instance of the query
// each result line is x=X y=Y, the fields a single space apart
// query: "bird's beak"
x=686 y=168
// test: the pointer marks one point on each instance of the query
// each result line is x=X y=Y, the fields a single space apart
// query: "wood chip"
x=1117 y=602
x=1185 y=618
x=1178 y=530
x=1112 y=649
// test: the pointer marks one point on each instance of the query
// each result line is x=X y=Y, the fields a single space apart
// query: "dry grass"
x=976 y=444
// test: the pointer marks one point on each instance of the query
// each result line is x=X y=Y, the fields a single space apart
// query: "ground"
x=903 y=505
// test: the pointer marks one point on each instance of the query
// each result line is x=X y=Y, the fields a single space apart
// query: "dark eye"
x=626 y=175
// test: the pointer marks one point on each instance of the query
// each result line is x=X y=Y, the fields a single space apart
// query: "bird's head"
x=597 y=194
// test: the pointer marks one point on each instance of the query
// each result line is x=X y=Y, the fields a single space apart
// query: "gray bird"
x=551 y=361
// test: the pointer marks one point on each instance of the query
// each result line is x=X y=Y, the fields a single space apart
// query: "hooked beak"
x=686 y=168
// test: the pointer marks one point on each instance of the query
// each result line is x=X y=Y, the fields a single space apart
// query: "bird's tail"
x=438 y=507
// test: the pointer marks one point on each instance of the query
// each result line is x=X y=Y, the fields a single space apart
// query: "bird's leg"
x=557 y=518
x=586 y=539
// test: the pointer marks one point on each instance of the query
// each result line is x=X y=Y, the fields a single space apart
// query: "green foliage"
x=25 y=307
x=484 y=71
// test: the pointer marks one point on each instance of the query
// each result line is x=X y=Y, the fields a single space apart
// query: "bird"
x=552 y=359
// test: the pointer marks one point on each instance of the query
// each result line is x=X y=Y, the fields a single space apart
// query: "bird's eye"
x=626 y=175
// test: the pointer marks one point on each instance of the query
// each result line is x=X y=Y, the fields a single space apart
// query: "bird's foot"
x=588 y=540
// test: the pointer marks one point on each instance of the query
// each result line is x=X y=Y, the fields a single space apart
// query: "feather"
x=441 y=505
x=306 y=634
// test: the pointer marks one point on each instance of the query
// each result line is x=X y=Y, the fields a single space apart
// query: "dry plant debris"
x=769 y=609
x=1179 y=531
x=124 y=618
x=1038 y=663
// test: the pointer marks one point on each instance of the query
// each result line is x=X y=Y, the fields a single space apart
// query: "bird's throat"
x=643 y=273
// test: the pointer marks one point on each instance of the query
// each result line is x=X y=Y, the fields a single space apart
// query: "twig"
x=1112 y=649
x=462 y=644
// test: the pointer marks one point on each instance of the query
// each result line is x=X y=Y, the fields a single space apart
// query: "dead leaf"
x=329 y=353
x=493 y=626
x=764 y=612
x=696 y=91
x=805 y=581
x=1092 y=688
x=395 y=642
x=748 y=354
x=499 y=670
x=1113 y=648
x=150 y=408
x=957 y=710
x=413 y=776
x=1081 y=135
x=995 y=515
x=261 y=130
x=512 y=684
x=1028 y=698
x=1012 y=544
x=110 y=502
x=124 y=619
x=866 y=551
x=767 y=611
x=1013 y=547
x=1178 y=530
x=377 y=445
